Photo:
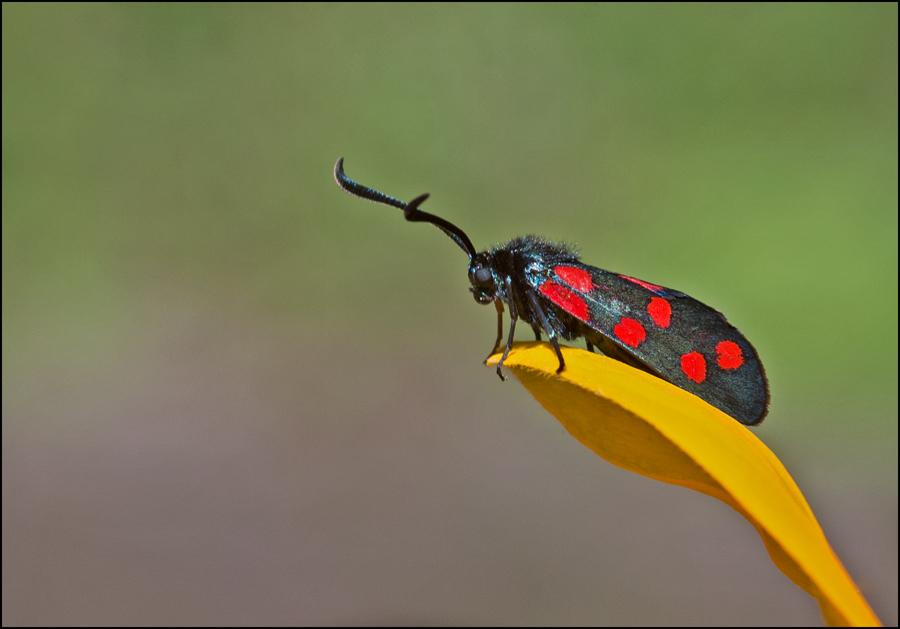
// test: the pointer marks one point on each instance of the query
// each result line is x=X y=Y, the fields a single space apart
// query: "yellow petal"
x=653 y=428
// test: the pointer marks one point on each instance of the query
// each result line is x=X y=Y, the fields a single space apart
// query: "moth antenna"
x=410 y=210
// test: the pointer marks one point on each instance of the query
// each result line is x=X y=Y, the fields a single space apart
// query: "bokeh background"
x=234 y=394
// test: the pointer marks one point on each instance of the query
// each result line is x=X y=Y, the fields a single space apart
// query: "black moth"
x=656 y=329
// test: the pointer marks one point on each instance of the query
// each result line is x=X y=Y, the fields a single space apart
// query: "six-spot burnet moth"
x=656 y=329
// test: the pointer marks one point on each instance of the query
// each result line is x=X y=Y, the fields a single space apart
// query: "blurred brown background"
x=233 y=394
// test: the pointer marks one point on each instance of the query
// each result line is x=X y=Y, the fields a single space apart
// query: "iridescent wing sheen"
x=664 y=332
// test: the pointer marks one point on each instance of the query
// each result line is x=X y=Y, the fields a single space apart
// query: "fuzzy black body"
x=656 y=329
x=530 y=261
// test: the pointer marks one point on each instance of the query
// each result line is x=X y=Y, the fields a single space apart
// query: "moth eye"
x=483 y=278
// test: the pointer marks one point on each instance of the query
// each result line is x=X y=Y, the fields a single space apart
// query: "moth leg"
x=537 y=331
x=589 y=346
x=499 y=305
x=513 y=316
x=549 y=330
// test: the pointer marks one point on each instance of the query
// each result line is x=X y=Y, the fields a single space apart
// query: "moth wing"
x=669 y=334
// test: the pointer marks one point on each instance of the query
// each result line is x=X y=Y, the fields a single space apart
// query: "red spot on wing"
x=730 y=355
x=646 y=285
x=694 y=366
x=565 y=299
x=630 y=332
x=579 y=279
x=660 y=311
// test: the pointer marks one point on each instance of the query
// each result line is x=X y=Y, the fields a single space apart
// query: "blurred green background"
x=233 y=394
